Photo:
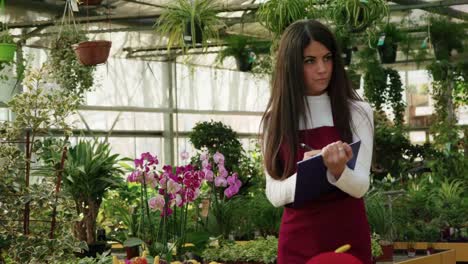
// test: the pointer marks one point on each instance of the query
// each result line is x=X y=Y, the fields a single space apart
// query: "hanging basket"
x=388 y=52
x=91 y=2
x=189 y=35
x=91 y=53
x=346 y=55
x=244 y=64
x=7 y=52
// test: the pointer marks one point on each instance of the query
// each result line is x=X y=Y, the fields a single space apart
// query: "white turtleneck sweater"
x=355 y=181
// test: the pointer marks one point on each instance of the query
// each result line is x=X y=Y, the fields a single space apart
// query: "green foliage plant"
x=357 y=15
x=446 y=36
x=244 y=49
x=198 y=13
x=89 y=172
x=65 y=68
x=262 y=250
x=277 y=15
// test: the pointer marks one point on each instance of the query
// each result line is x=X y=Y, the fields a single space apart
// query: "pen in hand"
x=306 y=147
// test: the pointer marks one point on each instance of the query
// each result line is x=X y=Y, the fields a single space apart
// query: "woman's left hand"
x=335 y=157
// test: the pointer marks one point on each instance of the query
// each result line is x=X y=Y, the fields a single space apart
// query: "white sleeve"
x=280 y=192
x=356 y=182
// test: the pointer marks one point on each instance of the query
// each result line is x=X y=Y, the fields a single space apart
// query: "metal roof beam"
x=438 y=7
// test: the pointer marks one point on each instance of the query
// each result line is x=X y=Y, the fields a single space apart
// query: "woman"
x=312 y=102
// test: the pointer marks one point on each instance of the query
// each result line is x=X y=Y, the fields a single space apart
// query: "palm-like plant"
x=198 y=19
x=89 y=172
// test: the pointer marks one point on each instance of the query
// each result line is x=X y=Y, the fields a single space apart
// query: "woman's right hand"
x=311 y=153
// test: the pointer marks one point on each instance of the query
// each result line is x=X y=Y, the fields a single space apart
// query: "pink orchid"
x=173 y=187
x=205 y=163
x=179 y=201
x=157 y=203
x=220 y=181
x=218 y=158
x=204 y=156
x=222 y=171
x=209 y=175
x=184 y=155
x=231 y=191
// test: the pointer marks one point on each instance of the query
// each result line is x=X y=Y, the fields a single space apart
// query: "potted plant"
x=89 y=172
x=188 y=23
x=7 y=47
x=376 y=248
x=261 y=250
x=357 y=15
x=445 y=37
x=67 y=71
x=92 y=53
x=411 y=250
x=244 y=50
x=410 y=236
x=431 y=234
x=277 y=15
x=388 y=43
x=381 y=222
x=346 y=44
x=354 y=77
x=119 y=215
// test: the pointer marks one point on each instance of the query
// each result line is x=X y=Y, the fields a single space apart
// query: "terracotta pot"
x=132 y=252
x=91 y=53
x=387 y=253
x=91 y=2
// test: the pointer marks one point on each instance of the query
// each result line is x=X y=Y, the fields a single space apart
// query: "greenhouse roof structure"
x=130 y=23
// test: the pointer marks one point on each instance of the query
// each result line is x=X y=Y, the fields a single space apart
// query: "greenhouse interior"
x=132 y=131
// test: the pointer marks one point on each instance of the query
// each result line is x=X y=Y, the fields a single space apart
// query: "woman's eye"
x=328 y=58
x=309 y=61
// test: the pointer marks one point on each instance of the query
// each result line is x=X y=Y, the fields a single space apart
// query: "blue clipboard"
x=312 y=182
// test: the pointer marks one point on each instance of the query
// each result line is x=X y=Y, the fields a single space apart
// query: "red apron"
x=327 y=223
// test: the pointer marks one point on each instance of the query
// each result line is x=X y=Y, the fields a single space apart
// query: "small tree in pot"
x=89 y=172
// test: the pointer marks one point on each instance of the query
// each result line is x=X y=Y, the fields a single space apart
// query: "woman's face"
x=318 y=67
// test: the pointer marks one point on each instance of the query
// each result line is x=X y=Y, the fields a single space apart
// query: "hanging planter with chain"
x=92 y=53
x=7 y=45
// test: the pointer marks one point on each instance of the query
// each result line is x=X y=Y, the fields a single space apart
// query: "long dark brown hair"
x=287 y=105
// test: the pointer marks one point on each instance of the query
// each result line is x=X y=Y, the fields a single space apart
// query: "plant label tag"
x=74 y=5
x=381 y=40
x=424 y=43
